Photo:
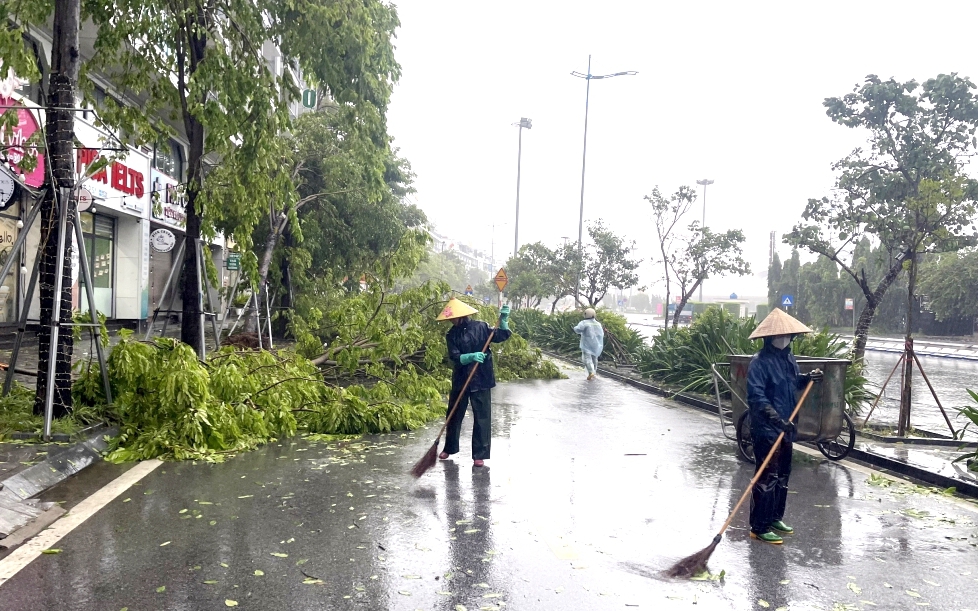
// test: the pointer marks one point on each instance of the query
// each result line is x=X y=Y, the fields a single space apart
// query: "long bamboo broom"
x=691 y=565
x=431 y=456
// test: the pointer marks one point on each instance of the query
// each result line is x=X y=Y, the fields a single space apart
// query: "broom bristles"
x=695 y=564
x=427 y=461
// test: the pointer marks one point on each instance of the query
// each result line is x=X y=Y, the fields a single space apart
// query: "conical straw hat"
x=456 y=309
x=778 y=322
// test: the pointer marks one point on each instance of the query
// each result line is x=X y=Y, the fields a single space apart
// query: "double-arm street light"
x=524 y=123
x=705 y=182
x=587 y=98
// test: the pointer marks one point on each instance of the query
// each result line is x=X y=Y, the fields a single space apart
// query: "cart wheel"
x=838 y=448
x=745 y=445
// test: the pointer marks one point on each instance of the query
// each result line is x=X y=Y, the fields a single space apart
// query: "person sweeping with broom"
x=468 y=342
x=773 y=379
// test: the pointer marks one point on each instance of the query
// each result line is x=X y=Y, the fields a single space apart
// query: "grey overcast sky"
x=730 y=91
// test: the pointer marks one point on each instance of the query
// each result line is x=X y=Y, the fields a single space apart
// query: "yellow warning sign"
x=501 y=279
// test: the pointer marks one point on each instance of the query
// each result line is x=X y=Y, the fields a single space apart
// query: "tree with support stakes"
x=60 y=91
x=906 y=190
x=207 y=64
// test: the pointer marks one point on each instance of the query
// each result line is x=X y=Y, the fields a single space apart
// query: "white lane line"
x=26 y=553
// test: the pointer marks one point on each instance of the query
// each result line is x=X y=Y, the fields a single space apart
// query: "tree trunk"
x=873 y=299
x=266 y=263
x=191 y=328
x=862 y=329
x=906 y=393
x=682 y=304
x=60 y=155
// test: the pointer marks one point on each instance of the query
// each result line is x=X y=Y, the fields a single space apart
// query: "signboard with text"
x=121 y=185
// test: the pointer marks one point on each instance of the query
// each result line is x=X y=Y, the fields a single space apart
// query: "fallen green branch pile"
x=384 y=369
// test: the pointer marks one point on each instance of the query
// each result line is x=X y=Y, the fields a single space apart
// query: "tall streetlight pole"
x=705 y=182
x=587 y=98
x=524 y=123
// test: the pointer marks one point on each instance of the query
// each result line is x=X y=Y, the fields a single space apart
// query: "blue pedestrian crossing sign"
x=787 y=300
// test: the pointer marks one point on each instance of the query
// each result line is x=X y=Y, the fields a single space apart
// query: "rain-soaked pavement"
x=592 y=490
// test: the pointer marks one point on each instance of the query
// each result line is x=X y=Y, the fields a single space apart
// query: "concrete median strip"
x=33 y=548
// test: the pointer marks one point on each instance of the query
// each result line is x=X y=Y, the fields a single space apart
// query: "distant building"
x=472 y=258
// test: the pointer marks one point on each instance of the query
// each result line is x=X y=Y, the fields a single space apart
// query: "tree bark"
x=191 y=329
x=873 y=299
x=65 y=64
x=682 y=304
x=906 y=392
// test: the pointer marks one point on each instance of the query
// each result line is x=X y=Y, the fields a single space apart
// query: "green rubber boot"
x=781 y=527
x=768 y=537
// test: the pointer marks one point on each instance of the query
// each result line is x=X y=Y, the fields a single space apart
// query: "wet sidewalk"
x=932 y=461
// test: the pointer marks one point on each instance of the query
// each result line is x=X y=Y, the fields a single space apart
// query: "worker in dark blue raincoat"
x=465 y=340
x=773 y=381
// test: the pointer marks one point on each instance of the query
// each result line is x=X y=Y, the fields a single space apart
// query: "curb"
x=58 y=466
x=882 y=463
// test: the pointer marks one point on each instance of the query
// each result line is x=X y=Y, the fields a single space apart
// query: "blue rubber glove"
x=477 y=357
x=504 y=318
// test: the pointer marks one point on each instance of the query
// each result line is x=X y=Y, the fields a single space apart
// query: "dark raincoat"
x=773 y=378
x=469 y=336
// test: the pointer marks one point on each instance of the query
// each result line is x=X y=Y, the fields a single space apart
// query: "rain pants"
x=773 y=380
x=592 y=342
x=469 y=336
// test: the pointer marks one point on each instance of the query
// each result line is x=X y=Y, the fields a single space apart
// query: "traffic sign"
x=850 y=303
x=501 y=279
x=234 y=261
x=787 y=300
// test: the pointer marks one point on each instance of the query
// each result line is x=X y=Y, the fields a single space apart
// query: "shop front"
x=15 y=142
x=114 y=225
x=167 y=234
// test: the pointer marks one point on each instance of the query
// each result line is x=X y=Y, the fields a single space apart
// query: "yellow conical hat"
x=778 y=322
x=456 y=309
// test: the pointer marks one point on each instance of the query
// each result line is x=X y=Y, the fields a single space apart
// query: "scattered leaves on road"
x=164 y=544
x=161 y=589
x=259 y=572
x=856 y=589
x=280 y=555
x=53 y=550
x=230 y=603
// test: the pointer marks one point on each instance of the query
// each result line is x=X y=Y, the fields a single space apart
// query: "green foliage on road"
x=384 y=369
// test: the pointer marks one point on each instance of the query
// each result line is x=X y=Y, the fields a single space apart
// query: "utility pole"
x=705 y=182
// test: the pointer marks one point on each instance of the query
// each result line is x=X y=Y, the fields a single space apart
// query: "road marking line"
x=26 y=553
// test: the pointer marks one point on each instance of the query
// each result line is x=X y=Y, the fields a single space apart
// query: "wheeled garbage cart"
x=822 y=419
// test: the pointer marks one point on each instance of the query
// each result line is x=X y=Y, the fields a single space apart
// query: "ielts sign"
x=117 y=175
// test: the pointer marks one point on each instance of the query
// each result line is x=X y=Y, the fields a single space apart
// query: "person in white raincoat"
x=592 y=341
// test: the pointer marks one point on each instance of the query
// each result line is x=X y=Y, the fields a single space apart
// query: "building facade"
x=138 y=193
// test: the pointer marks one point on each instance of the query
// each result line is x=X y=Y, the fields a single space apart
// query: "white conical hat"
x=778 y=322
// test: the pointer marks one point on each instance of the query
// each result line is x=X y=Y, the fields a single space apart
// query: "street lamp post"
x=527 y=123
x=705 y=182
x=587 y=98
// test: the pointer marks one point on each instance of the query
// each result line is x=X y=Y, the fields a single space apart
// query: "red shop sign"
x=13 y=141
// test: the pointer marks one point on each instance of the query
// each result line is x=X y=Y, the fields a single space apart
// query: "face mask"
x=781 y=342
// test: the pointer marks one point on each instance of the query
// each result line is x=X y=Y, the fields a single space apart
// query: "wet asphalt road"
x=593 y=489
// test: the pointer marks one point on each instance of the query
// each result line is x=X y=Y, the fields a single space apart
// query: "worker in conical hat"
x=466 y=339
x=773 y=380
